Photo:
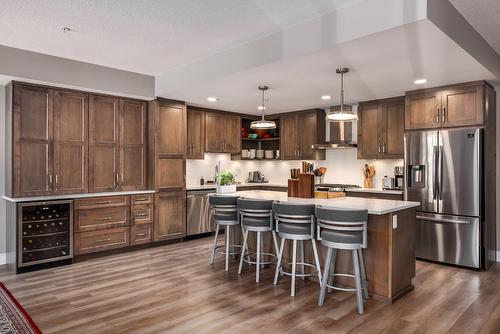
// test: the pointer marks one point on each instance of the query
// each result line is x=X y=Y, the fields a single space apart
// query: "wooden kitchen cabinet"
x=222 y=133
x=170 y=215
x=50 y=141
x=442 y=107
x=232 y=134
x=195 y=134
x=299 y=131
x=381 y=129
x=117 y=134
x=171 y=130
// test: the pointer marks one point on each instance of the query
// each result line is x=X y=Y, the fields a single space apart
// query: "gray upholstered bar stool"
x=296 y=222
x=256 y=216
x=225 y=214
x=347 y=230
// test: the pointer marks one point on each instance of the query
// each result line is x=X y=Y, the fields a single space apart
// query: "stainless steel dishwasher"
x=199 y=217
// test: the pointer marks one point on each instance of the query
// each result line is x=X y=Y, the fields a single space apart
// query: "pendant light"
x=262 y=123
x=343 y=113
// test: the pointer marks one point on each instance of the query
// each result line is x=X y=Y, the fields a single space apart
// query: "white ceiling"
x=484 y=16
x=147 y=36
x=382 y=65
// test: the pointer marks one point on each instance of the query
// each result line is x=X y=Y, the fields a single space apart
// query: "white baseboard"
x=3 y=258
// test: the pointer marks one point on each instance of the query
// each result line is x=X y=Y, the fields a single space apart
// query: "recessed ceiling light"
x=211 y=99
x=420 y=81
x=261 y=107
x=65 y=29
x=326 y=97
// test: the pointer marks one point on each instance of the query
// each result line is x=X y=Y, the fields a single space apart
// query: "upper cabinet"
x=381 y=129
x=171 y=130
x=195 y=134
x=117 y=134
x=222 y=132
x=299 y=131
x=449 y=106
x=49 y=141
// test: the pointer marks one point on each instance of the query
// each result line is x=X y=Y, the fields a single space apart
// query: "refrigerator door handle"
x=440 y=175
x=435 y=180
x=444 y=220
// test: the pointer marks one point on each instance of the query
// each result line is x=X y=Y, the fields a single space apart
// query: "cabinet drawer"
x=142 y=214
x=96 y=241
x=141 y=199
x=141 y=234
x=395 y=197
x=98 y=219
x=101 y=202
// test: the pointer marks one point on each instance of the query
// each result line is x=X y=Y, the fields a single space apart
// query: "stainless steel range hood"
x=341 y=134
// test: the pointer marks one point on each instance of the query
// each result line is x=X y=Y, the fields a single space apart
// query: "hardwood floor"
x=173 y=289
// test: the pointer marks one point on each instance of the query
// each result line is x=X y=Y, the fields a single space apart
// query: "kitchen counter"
x=390 y=255
x=72 y=196
x=374 y=206
x=374 y=191
x=238 y=186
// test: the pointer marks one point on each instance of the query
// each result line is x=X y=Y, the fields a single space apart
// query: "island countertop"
x=373 y=205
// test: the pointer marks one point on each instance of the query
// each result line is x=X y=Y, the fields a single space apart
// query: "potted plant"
x=226 y=182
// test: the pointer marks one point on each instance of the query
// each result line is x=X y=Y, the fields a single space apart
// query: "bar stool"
x=347 y=230
x=256 y=216
x=295 y=222
x=225 y=214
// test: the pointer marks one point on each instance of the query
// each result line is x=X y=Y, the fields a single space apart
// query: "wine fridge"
x=45 y=233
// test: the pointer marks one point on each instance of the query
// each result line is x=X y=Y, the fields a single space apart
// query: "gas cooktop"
x=334 y=186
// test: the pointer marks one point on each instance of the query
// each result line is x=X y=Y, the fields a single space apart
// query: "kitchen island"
x=390 y=255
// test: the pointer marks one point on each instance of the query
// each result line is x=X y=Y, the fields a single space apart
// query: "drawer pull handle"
x=102 y=240
x=141 y=199
x=142 y=234
x=104 y=218
x=141 y=215
x=103 y=202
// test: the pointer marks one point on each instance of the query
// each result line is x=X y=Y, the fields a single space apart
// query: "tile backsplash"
x=343 y=167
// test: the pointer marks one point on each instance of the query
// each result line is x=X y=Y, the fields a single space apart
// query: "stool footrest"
x=299 y=274
x=248 y=259
x=223 y=250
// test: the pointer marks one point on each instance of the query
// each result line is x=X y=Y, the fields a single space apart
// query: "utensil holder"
x=368 y=183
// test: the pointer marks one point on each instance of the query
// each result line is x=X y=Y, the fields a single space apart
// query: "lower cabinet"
x=377 y=195
x=103 y=223
x=170 y=215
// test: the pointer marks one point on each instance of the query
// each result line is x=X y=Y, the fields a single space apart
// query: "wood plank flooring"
x=173 y=289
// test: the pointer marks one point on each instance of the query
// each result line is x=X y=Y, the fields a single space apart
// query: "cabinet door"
x=369 y=128
x=288 y=136
x=70 y=142
x=103 y=143
x=393 y=130
x=195 y=134
x=214 y=127
x=462 y=106
x=307 y=124
x=232 y=134
x=422 y=110
x=170 y=174
x=170 y=215
x=32 y=132
x=171 y=131
x=132 y=145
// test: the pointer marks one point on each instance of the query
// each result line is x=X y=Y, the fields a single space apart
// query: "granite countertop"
x=373 y=205
x=374 y=191
x=238 y=186
x=72 y=196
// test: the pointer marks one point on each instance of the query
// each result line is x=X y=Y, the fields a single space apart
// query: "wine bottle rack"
x=45 y=232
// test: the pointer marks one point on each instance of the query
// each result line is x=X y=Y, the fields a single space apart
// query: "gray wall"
x=497 y=89
x=2 y=174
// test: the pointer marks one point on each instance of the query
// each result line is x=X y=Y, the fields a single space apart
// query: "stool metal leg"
x=357 y=277
x=243 y=249
x=257 y=274
x=228 y=230
x=278 y=264
x=326 y=271
x=294 y=265
x=316 y=259
x=363 y=274
x=214 y=245
x=275 y=241
x=302 y=266
x=332 y=269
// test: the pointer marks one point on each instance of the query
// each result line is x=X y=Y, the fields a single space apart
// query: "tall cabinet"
x=49 y=128
x=167 y=152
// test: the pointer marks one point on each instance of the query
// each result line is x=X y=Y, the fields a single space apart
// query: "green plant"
x=226 y=178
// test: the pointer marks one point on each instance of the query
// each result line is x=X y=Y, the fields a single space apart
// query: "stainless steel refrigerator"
x=444 y=172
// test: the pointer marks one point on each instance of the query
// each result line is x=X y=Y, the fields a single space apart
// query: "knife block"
x=293 y=187
x=306 y=185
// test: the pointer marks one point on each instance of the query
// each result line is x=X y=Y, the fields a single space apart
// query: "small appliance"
x=388 y=183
